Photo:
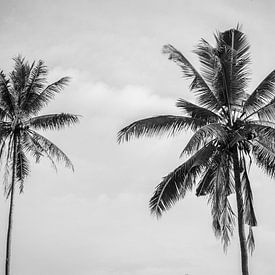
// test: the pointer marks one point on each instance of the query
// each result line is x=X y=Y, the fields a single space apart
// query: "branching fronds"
x=230 y=126
x=22 y=95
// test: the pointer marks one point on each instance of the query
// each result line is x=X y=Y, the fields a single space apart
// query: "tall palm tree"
x=231 y=128
x=22 y=96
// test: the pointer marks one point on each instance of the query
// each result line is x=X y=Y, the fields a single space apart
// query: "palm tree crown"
x=22 y=96
x=231 y=128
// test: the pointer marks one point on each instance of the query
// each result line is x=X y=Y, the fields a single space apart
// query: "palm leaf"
x=249 y=214
x=197 y=111
x=221 y=187
x=206 y=184
x=227 y=222
x=264 y=154
x=262 y=95
x=261 y=129
x=52 y=121
x=31 y=147
x=157 y=126
x=6 y=98
x=34 y=84
x=40 y=98
x=175 y=185
x=8 y=166
x=53 y=151
x=240 y=59
x=20 y=75
x=206 y=97
x=208 y=59
x=266 y=112
x=250 y=240
x=22 y=166
x=203 y=135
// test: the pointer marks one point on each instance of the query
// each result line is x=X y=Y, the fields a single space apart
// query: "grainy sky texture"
x=96 y=220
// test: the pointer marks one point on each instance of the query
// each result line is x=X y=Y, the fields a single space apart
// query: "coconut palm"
x=22 y=96
x=231 y=129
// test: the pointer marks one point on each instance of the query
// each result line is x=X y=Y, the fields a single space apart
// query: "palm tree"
x=231 y=128
x=22 y=96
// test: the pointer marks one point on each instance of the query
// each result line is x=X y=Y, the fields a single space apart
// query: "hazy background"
x=96 y=220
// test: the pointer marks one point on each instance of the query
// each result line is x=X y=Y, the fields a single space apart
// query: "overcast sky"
x=96 y=220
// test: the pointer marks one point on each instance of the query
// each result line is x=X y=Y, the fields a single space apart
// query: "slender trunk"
x=8 y=247
x=239 y=198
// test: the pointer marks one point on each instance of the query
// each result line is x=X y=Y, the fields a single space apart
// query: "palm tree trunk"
x=239 y=198
x=8 y=247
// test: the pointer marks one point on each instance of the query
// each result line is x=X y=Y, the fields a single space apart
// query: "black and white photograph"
x=137 y=137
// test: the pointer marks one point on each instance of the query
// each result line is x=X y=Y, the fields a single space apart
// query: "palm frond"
x=206 y=184
x=34 y=84
x=250 y=240
x=20 y=75
x=225 y=67
x=37 y=78
x=240 y=60
x=158 y=125
x=53 y=151
x=249 y=214
x=221 y=188
x=5 y=129
x=6 y=98
x=266 y=112
x=52 y=121
x=8 y=166
x=264 y=154
x=262 y=95
x=175 y=185
x=198 y=112
x=227 y=221
x=32 y=146
x=39 y=98
x=22 y=167
x=206 y=97
x=208 y=59
x=203 y=135
x=261 y=130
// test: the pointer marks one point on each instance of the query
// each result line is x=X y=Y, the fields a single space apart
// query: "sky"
x=97 y=220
